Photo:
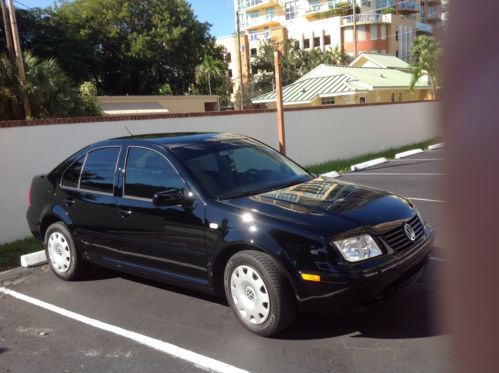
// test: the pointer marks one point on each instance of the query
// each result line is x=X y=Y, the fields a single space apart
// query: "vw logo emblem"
x=409 y=232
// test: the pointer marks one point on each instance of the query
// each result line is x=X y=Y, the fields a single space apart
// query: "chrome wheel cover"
x=59 y=252
x=250 y=295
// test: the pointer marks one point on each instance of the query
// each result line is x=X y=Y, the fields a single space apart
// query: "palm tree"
x=209 y=69
x=426 y=54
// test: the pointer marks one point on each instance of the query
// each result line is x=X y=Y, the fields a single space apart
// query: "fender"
x=54 y=212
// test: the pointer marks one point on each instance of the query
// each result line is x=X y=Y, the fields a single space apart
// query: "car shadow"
x=411 y=313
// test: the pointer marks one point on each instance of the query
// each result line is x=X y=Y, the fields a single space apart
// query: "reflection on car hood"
x=324 y=202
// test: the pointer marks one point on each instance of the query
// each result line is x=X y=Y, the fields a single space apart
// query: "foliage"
x=295 y=63
x=390 y=10
x=10 y=252
x=49 y=91
x=210 y=69
x=165 y=90
x=88 y=94
x=341 y=9
x=124 y=46
x=248 y=94
x=426 y=53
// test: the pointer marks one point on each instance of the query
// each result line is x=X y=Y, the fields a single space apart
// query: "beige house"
x=130 y=105
x=365 y=81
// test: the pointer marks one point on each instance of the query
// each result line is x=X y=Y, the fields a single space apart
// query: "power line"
x=23 y=5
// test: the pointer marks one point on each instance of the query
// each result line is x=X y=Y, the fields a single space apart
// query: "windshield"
x=229 y=168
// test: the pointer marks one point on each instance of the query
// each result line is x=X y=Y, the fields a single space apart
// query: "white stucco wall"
x=312 y=136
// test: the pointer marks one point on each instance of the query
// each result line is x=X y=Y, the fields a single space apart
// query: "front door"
x=165 y=240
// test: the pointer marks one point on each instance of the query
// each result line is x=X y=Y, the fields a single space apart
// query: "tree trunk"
x=209 y=85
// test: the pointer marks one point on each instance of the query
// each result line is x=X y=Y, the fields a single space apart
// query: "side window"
x=148 y=172
x=99 y=168
x=72 y=174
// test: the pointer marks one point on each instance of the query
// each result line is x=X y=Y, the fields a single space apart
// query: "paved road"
x=401 y=334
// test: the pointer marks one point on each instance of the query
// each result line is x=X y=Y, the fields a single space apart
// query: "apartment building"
x=382 y=26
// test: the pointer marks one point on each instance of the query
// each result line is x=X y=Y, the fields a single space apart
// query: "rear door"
x=87 y=194
x=166 y=240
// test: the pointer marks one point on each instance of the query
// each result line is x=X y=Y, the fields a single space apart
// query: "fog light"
x=309 y=277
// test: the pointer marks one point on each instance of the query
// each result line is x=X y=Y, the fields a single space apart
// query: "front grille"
x=398 y=240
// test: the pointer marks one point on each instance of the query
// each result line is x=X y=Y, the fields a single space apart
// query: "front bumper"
x=357 y=289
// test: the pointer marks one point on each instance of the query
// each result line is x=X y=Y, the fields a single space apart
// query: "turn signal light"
x=308 y=277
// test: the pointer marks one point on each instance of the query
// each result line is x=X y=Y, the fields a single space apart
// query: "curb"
x=363 y=165
x=331 y=174
x=440 y=145
x=408 y=153
x=33 y=259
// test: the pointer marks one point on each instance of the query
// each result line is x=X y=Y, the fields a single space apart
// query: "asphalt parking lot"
x=401 y=334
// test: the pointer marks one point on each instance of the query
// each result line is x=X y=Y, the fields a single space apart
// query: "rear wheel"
x=259 y=293
x=61 y=253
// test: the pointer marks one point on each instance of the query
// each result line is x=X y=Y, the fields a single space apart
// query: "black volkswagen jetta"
x=226 y=214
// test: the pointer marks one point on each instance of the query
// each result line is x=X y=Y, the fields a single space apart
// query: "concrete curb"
x=363 y=165
x=408 y=153
x=33 y=259
x=440 y=145
x=332 y=174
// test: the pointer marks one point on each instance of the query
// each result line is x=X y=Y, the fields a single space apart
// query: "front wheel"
x=259 y=293
x=61 y=253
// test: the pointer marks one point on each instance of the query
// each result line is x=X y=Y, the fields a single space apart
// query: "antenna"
x=129 y=132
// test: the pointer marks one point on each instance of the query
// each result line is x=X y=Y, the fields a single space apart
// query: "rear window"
x=98 y=170
x=72 y=175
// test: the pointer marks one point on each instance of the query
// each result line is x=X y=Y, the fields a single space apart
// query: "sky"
x=220 y=13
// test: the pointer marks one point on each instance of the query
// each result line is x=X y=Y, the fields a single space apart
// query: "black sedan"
x=226 y=214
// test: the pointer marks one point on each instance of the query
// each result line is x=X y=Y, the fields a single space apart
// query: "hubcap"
x=59 y=253
x=250 y=294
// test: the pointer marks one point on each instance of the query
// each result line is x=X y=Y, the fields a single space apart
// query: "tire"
x=265 y=310
x=61 y=252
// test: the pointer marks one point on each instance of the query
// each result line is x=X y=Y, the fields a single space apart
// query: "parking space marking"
x=391 y=174
x=198 y=360
x=426 y=200
x=416 y=159
x=434 y=258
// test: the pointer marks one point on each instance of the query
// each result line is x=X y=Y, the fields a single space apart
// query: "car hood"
x=330 y=206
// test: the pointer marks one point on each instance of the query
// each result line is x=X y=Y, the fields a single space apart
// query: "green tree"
x=165 y=90
x=426 y=53
x=88 y=95
x=210 y=69
x=312 y=58
x=50 y=91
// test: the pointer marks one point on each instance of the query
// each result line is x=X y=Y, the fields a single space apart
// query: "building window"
x=396 y=53
x=328 y=101
x=270 y=14
x=317 y=41
x=314 y=5
x=400 y=96
x=348 y=34
x=228 y=58
x=253 y=52
x=396 y=36
x=327 y=39
x=230 y=73
x=374 y=32
x=393 y=97
x=254 y=70
x=383 y=32
x=297 y=44
x=306 y=43
x=291 y=8
x=362 y=100
x=361 y=32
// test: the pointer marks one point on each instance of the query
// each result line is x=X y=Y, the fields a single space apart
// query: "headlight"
x=355 y=249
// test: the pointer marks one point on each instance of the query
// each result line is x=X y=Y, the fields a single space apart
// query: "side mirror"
x=168 y=197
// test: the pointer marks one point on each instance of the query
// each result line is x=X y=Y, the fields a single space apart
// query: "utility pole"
x=241 y=83
x=19 y=58
x=8 y=34
x=279 y=104
x=354 y=9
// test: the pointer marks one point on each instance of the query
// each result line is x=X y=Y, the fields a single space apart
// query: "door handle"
x=125 y=213
x=69 y=202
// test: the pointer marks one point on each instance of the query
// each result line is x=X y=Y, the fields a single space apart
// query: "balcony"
x=407 y=7
x=366 y=19
x=252 y=5
x=324 y=9
x=253 y=23
x=432 y=17
x=259 y=36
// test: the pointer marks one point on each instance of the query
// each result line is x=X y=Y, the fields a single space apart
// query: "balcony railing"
x=409 y=5
x=424 y=27
x=366 y=18
x=255 y=4
x=260 y=21
x=253 y=36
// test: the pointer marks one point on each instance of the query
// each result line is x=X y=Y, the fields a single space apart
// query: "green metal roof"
x=306 y=90
x=384 y=61
x=326 y=80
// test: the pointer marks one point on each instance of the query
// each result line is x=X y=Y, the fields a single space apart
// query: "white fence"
x=312 y=136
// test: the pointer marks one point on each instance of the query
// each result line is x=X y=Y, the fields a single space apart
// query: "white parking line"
x=416 y=159
x=434 y=258
x=198 y=360
x=392 y=174
x=426 y=200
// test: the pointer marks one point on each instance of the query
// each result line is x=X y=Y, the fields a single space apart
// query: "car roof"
x=175 y=139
